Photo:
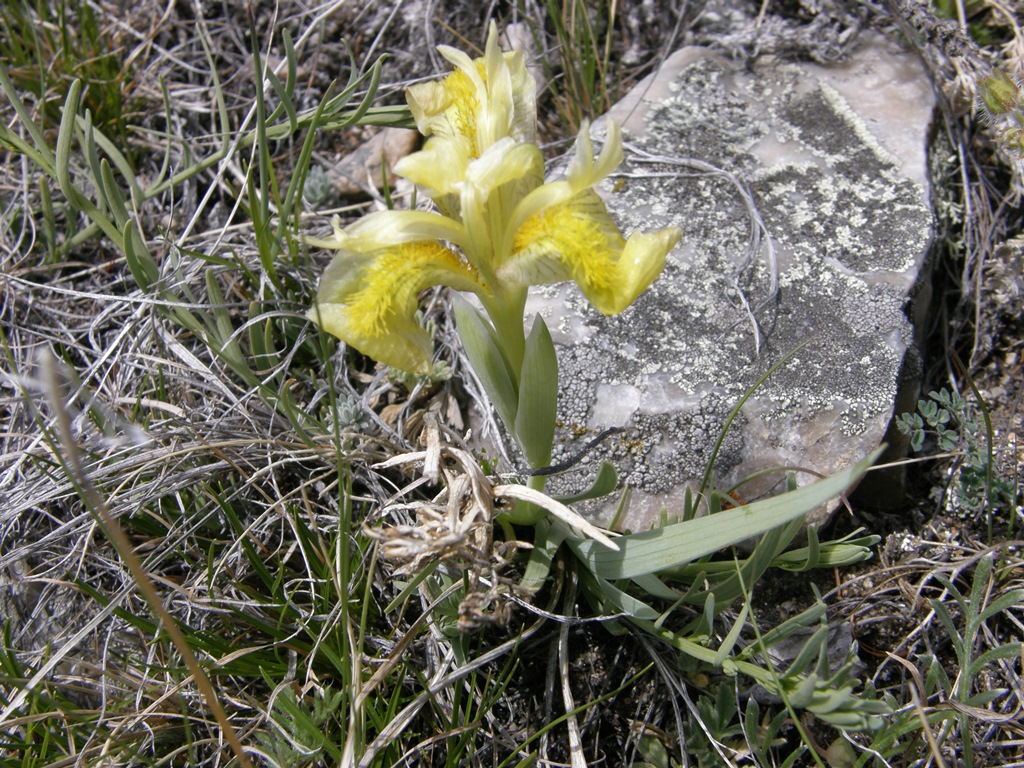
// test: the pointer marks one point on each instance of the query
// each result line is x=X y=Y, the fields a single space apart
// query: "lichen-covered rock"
x=801 y=192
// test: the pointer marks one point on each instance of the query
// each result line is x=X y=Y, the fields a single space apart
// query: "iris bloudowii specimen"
x=498 y=229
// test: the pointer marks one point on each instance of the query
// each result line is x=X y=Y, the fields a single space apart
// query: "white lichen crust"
x=850 y=231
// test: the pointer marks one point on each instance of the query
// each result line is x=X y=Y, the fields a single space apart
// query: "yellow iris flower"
x=500 y=229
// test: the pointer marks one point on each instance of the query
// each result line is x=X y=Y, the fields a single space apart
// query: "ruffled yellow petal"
x=586 y=171
x=503 y=162
x=523 y=126
x=483 y=100
x=577 y=240
x=568 y=241
x=449 y=107
x=438 y=167
x=382 y=229
x=369 y=300
x=641 y=262
x=510 y=107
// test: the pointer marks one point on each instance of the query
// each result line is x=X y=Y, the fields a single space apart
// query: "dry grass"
x=245 y=457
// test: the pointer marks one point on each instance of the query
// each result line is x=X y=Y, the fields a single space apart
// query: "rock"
x=834 y=161
x=361 y=171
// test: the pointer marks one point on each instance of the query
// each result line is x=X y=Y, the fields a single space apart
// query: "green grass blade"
x=615 y=599
x=48 y=216
x=295 y=186
x=729 y=642
x=1000 y=604
x=655 y=587
x=546 y=541
x=979 y=585
x=140 y=261
x=1007 y=651
x=41 y=145
x=116 y=157
x=115 y=200
x=371 y=93
x=65 y=135
x=705 y=483
x=286 y=91
x=92 y=159
x=221 y=330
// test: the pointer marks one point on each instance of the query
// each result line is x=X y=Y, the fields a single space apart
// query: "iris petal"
x=577 y=240
x=447 y=108
x=369 y=300
x=641 y=262
x=493 y=184
x=583 y=173
x=483 y=100
x=437 y=170
x=386 y=228
x=586 y=171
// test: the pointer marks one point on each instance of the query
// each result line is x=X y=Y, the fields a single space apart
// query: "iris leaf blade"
x=674 y=545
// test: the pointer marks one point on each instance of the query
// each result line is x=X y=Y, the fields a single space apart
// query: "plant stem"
x=506 y=310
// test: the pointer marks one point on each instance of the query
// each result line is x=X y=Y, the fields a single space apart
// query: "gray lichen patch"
x=849 y=232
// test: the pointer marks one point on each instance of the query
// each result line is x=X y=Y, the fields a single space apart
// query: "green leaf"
x=44 y=156
x=605 y=482
x=801 y=696
x=675 y=545
x=1001 y=604
x=65 y=135
x=1007 y=651
x=790 y=626
x=730 y=639
x=917 y=441
x=117 y=158
x=112 y=194
x=653 y=751
x=623 y=601
x=221 y=335
x=832 y=554
x=547 y=538
x=285 y=91
x=487 y=361
x=538 y=396
x=655 y=587
x=767 y=548
x=928 y=409
x=261 y=342
x=140 y=261
x=812 y=650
